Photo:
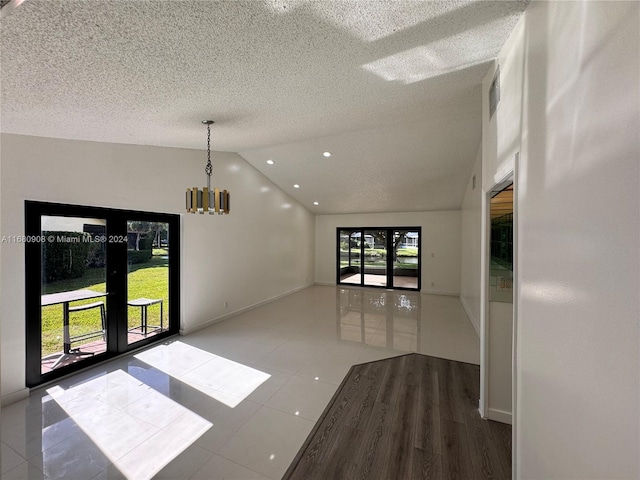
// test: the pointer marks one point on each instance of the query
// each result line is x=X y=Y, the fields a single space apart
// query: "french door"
x=99 y=282
x=379 y=257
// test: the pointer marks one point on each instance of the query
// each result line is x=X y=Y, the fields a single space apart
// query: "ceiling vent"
x=494 y=93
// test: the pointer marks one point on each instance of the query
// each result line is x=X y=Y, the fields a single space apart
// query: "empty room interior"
x=319 y=239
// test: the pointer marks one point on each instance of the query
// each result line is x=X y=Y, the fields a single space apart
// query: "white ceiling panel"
x=391 y=87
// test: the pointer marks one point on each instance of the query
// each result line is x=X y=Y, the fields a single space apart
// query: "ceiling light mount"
x=207 y=200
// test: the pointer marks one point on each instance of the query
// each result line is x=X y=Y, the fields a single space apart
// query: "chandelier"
x=208 y=199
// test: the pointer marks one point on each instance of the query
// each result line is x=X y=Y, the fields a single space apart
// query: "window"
x=379 y=257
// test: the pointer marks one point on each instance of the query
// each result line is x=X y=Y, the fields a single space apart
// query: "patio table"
x=65 y=298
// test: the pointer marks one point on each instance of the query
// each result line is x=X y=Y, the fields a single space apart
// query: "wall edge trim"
x=498 y=415
x=14 y=397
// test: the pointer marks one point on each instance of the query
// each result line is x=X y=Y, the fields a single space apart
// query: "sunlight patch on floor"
x=227 y=381
x=137 y=428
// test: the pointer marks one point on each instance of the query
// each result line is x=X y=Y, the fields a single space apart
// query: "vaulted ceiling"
x=390 y=88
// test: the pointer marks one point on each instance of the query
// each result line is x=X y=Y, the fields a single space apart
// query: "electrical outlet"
x=433 y=284
x=226 y=304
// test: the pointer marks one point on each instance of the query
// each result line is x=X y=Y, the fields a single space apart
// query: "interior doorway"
x=497 y=332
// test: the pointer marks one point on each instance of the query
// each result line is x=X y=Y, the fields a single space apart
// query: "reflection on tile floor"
x=129 y=419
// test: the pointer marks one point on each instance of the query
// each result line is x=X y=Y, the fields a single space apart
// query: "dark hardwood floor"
x=403 y=418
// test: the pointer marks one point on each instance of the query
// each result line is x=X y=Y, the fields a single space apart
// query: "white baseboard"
x=213 y=321
x=14 y=397
x=474 y=321
x=499 y=416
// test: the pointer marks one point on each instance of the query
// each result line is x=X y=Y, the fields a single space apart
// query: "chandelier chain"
x=209 y=168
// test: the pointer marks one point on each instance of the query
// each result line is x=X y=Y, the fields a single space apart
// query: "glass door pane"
x=375 y=257
x=406 y=255
x=148 y=248
x=501 y=268
x=73 y=310
x=350 y=257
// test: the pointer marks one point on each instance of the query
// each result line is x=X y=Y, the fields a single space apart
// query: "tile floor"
x=235 y=400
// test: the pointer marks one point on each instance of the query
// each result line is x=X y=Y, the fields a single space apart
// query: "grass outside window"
x=149 y=280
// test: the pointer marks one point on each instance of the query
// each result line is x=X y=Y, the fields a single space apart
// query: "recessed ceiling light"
x=296 y=186
x=327 y=154
x=316 y=203
x=270 y=162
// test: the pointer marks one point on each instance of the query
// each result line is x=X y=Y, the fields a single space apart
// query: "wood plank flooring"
x=405 y=418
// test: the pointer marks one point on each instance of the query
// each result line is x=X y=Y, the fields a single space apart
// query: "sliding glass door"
x=98 y=283
x=147 y=279
x=349 y=257
x=379 y=257
x=406 y=258
x=73 y=286
x=375 y=258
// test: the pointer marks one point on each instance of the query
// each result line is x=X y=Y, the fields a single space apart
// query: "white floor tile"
x=24 y=471
x=10 y=458
x=154 y=409
x=248 y=352
x=75 y=458
x=372 y=354
x=219 y=468
x=272 y=336
x=307 y=343
x=329 y=370
x=151 y=456
x=268 y=442
x=110 y=473
x=265 y=391
x=303 y=397
x=226 y=422
x=18 y=412
x=286 y=360
x=186 y=464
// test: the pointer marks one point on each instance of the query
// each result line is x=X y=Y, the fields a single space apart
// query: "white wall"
x=263 y=249
x=471 y=234
x=578 y=335
x=440 y=255
x=1 y=316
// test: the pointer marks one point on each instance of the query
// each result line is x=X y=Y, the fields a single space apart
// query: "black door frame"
x=389 y=268
x=116 y=283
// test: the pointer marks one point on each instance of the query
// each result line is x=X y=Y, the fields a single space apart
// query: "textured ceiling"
x=391 y=88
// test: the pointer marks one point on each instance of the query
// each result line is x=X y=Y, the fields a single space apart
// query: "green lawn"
x=150 y=280
x=382 y=264
x=376 y=257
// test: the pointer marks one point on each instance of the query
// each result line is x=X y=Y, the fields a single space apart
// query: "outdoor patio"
x=95 y=347
x=380 y=280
